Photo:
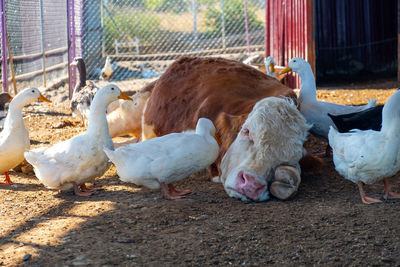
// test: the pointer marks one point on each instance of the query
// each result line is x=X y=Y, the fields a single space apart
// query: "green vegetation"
x=144 y=26
x=234 y=18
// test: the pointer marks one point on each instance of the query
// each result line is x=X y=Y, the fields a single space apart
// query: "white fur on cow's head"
x=273 y=134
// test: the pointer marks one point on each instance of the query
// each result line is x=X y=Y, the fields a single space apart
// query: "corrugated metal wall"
x=352 y=39
x=357 y=37
x=289 y=33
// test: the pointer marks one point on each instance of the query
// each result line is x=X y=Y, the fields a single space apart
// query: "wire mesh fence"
x=130 y=32
x=147 y=30
x=37 y=41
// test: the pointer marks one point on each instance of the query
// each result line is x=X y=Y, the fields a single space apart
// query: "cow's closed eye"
x=246 y=132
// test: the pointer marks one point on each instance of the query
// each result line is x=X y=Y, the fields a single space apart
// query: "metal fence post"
x=42 y=42
x=71 y=44
x=4 y=44
x=223 y=24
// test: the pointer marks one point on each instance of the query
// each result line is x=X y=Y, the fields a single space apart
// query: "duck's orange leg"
x=80 y=193
x=85 y=188
x=7 y=180
x=387 y=193
x=366 y=199
x=171 y=188
x=167 y=193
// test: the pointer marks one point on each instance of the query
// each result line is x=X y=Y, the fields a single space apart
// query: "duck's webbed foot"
x=179 y=193
x=388 y=194
x=7 y=180
x=79 y=192
x=170 y=192
x=364 y=198
x=85 y=188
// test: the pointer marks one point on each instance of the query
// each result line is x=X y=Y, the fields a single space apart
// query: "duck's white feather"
x=81 y=158
x=14 y=139
x=316 y=112
x=369 y=156
x=167 y=159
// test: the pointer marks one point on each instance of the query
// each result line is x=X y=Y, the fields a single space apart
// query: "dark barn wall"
x=355 y=39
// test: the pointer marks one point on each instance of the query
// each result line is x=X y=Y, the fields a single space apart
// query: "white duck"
x=158 y=162
x=269 y=63
x=108 y=69
x=80 y=159
x=316 y=112
x=14 y=139
x=272 y=69
x=125 y=117
x=365 y=157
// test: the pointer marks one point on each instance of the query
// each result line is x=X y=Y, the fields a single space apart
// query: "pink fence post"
x=4 y=45
x=71 y=44
x=247 y=27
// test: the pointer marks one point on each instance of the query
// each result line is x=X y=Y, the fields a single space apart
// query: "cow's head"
x=272 y=136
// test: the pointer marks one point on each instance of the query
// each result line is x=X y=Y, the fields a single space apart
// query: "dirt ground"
x=123 y=224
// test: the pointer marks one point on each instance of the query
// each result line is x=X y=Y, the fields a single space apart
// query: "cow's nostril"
x=241 y=178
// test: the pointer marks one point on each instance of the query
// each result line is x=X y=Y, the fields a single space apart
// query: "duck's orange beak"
x=286 y=70
x=42 y=98
x=272 y=67
x=124 y=96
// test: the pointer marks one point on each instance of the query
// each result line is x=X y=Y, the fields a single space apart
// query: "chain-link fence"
x=130 y=32
x=148 y=30
x=36 y=40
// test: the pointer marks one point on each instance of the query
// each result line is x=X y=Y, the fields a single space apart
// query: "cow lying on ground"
x=226 y=91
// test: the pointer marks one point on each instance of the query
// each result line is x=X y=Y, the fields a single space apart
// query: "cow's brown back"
x=204 y=87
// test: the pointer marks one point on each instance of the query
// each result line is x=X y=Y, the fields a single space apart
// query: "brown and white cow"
x=226 y=91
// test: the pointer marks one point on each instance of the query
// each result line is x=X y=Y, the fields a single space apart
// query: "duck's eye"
x=294 y=60
x=112 y=88
x=33 y=91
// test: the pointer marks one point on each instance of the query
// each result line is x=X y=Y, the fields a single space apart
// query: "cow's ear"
x=228 y=126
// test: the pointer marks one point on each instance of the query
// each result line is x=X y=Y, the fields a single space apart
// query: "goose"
x=366 y=157
x=4 y=99
x=73 y=162
x=84 y=92
x=158 y=162
x=316 y=112
x=108 y=69
x=369 y=119
x=14 y=139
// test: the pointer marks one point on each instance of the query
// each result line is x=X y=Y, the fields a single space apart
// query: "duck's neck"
x=390 y=125
x=14 y=117
x=97 y=124
x=308 y=89
x=82 y=74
